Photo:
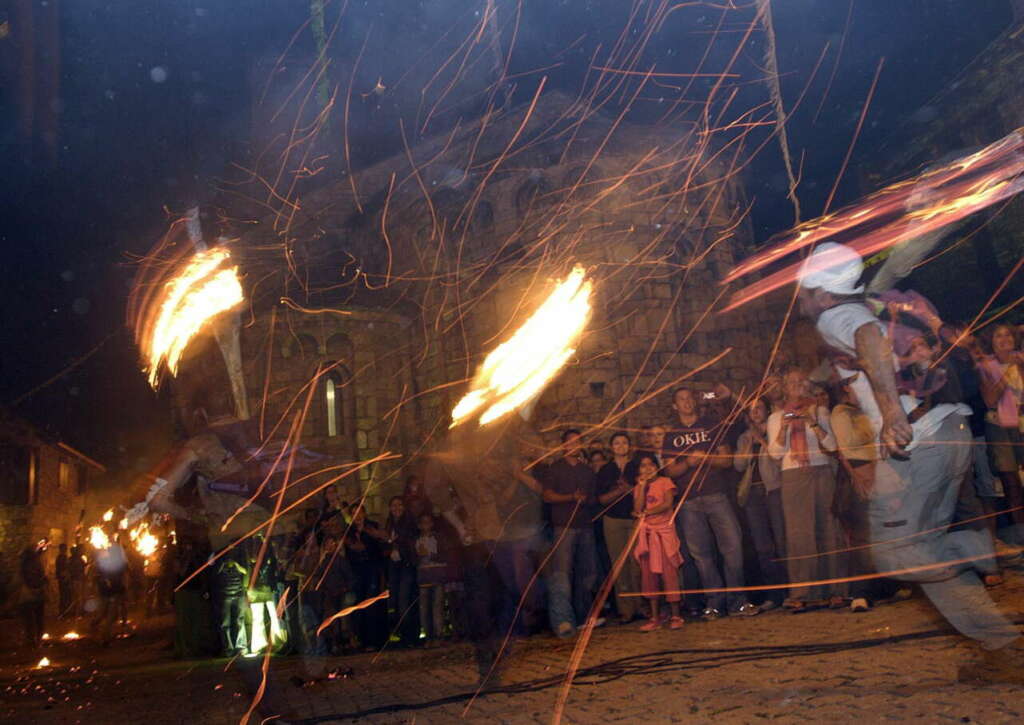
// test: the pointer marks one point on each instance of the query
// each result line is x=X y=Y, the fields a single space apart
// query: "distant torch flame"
x=204 y=288
x=71 y=636
x=44 y=662
x=519 y=368
x=98 y=538
x=145 y=542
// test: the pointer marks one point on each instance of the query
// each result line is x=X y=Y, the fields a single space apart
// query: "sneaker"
x=564 y=629
x=710 y=615
x=747 y=610
x=650 y=625
x=859 y=604
x=676 y=623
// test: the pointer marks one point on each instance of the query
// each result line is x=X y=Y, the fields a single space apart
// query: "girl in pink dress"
x=657 y=544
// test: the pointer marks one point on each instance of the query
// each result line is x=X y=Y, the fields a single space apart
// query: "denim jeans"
x=911 y=507
x=711 y=528
x=232 y=623
x=516 y=564
x=572 y=575
x=766 y=524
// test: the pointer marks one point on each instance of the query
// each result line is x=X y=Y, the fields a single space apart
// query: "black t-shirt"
x=566 y=478
x=705 y=435
x=607 y=479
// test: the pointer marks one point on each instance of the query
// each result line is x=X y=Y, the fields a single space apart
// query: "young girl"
x=430 y=572
x=657 y=546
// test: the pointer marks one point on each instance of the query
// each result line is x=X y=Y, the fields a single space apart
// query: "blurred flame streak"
x=203 y=289
x=98 y=537
x=518 y=369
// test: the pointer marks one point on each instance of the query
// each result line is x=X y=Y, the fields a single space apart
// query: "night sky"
x=155 y=104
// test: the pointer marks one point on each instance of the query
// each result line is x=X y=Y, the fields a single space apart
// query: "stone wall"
x=54 y=514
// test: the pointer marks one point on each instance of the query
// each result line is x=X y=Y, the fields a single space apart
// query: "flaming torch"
x=145 y=542
x=98 y=538
x=206 y=286
x=518 y=369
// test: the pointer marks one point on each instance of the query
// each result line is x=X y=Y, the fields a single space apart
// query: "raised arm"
x=875 y=355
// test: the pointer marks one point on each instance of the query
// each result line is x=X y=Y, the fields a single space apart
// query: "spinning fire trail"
x=898 y=213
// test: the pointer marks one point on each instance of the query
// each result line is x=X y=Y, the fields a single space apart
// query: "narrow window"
x=332 y=408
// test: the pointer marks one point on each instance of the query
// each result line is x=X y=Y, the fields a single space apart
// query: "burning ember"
x=518 y=369
x=44 y=662
x=145 y=542
x=98 y=538
x=204 y=288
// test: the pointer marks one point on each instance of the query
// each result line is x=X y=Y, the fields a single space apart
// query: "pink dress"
x=657 y=544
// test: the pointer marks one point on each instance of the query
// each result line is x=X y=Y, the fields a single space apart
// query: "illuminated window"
x=331 y=395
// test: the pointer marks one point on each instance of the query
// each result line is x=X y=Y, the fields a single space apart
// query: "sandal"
x=676 y=622
x=993 y=580
x=795 y=606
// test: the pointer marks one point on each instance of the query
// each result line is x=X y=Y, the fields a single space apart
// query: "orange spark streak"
x=354 y=608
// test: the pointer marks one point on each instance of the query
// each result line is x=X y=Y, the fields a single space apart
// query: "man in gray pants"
x=915 y=488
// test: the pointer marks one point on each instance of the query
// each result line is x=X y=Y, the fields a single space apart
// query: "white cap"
x=834 y=268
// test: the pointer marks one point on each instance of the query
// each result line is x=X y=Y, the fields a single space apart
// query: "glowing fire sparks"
x=145 y=542
x=519 y=368
x=98 y=538
x=203 y=289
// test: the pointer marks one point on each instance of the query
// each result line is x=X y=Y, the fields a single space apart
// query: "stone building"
x=401 y=278
x=43 y=488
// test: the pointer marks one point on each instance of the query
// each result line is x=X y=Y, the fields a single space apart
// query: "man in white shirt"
x=916 y=486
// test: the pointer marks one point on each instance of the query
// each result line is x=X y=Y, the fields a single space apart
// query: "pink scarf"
x=798 y=431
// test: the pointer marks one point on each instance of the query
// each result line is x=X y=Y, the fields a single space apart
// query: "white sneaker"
x=859 y=604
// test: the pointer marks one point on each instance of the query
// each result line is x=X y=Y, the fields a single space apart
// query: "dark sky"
x=155 y=101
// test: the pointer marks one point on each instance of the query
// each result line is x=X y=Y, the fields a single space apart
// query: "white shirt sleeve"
x=774 y=423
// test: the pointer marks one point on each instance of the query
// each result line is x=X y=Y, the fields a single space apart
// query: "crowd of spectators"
x=733 y=506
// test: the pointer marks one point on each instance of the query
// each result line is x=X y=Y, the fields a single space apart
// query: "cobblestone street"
x=896 y=662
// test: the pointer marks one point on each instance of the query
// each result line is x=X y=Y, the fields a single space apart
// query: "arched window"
x=332 y=397
x=335 y=408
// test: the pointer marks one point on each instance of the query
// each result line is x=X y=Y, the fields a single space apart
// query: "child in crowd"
x=430 y=572
x=657 y=546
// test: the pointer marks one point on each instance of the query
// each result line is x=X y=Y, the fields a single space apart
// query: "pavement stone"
x=897 y=662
